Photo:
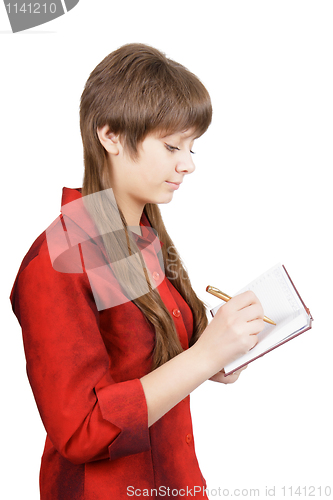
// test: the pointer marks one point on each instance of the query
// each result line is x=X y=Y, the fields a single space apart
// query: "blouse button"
x=188 y=438
x=156 y=275
x=176 y=313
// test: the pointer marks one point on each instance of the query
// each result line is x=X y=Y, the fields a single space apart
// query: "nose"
x=185 y=165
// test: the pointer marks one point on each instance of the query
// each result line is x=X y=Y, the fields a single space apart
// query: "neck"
x=132 y=213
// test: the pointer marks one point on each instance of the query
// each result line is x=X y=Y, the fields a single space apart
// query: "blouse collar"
x=78 y=213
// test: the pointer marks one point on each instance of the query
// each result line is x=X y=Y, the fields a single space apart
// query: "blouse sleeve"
x=85 y=413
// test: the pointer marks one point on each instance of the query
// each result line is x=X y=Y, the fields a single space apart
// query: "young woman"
x=115 y=337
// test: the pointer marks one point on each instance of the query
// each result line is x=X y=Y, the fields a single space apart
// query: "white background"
x=261 y=193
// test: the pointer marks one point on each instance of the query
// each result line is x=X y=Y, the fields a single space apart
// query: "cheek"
x=155 y=174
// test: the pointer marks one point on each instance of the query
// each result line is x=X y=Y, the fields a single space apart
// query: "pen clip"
x=215 y=291
x=212 y=289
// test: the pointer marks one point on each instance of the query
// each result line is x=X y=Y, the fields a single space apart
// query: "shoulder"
x=32 y=253
x=52 y=265
x=41 y=247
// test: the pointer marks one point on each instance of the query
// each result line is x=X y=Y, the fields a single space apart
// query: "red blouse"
x=84 y=362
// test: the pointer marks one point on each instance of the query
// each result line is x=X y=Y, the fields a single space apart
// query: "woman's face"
x=159 y=170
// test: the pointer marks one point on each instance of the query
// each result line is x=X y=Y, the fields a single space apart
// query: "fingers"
x=252 y=312
x=233 y=331
x=230 y=379
x=254 y=327
x=244 y=299
x=250 y=341
x=254 y=340
x=240 y=370
x=248 y=309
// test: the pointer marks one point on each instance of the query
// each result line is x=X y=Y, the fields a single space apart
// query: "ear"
x=109 y=140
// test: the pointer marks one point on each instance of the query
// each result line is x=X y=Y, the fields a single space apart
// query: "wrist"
x=205 y=362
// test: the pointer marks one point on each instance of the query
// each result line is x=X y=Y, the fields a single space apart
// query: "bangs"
x=175 y=100
x=181 y=116
x=184 y=103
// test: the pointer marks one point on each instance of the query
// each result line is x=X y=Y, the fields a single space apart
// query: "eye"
x=171 y=148
x=175 y=148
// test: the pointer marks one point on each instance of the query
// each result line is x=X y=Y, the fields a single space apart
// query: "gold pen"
x=225 y=297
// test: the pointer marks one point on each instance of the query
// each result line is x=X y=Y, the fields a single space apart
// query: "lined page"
x=276 y=294
x=299 y=321
x=280 y=303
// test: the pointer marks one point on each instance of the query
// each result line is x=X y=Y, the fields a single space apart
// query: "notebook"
x=281 y=303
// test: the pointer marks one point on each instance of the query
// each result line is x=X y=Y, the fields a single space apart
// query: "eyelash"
x=174 y=148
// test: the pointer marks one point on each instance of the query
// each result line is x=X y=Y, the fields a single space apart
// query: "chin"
x=165 y=199
x=162 y=199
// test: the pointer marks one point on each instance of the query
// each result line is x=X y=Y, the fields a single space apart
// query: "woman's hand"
x=231 y=333
x=230 y=379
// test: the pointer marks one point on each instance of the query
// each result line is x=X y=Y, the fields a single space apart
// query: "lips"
x=173 y=185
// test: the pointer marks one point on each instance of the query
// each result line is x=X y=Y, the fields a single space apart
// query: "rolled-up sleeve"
x=87 y=415
x=124 y=405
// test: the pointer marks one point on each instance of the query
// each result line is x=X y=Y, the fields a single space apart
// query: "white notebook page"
x=281 y=304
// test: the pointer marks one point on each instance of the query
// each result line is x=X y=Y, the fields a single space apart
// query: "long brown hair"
x=137 y=90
